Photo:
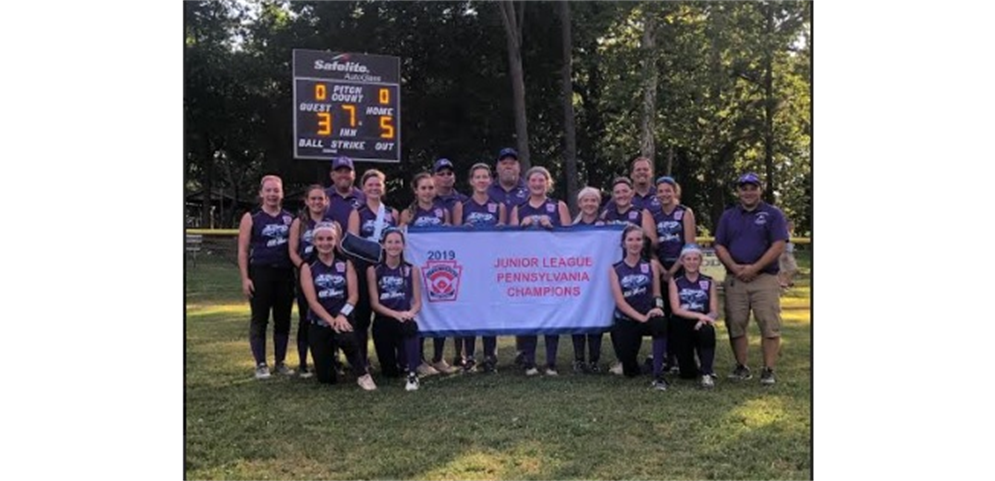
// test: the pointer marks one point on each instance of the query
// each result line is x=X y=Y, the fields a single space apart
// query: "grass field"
x=478 y=426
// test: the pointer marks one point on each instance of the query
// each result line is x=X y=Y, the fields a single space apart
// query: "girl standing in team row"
x=695 y=306
x=426 y=210
x=330 y=287
x=267 y=274
x=588 y=200
x=540 y=211
x=480 y=209
x=675 y=227
x=635 y=282
x=363 y=222
x=302 y=252
x=395 y=294
x=622 y=210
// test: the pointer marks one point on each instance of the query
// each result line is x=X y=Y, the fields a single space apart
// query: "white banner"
x=511 y=281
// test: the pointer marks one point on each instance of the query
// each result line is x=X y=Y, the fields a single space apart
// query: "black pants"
x=686 y=341
x=627 y=337
x=303 y=325
x=389 y=344
x=324 y=341
x=593 y=342
x=273 y=290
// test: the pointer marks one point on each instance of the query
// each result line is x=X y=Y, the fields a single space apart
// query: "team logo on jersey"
x=287 y=219
x=550 y=208
x=356 y=203
x=521 y=193
x=644 y=268
x=633 y=214
x=492 y=208
x=340 y=266
x=703 y=285
x=442 y=279
x=761 y=218
x=678 y=215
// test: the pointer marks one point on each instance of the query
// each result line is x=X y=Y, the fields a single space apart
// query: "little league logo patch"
x=287 y=220
x=550 y=208
x=442 y=280
x=703 y=285
x=492 y=208
x=632 y=215
x=438 y=213
x=761 y=218
x=678 y=215
x=644 y=268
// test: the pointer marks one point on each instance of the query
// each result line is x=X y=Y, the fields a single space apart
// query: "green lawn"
x=479 y=426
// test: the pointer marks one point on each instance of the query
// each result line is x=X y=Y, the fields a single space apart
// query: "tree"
x=512 y=18
x=569 y=131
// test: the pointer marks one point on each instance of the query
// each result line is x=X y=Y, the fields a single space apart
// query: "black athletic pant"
x=686 y=342
x=273 y=290
x=324 y=341
x=303 y=325
x=363 y=313
x=389 y=344
x=593 y=342
x=627 y=337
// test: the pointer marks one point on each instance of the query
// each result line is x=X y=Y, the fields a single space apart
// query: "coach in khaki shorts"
x=749 y=240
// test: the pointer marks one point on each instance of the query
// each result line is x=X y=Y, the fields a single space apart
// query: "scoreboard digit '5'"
x=347 y=104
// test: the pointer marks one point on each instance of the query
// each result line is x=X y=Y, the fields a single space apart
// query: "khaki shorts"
x=761 y=295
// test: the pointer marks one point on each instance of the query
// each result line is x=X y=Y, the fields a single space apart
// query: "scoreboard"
x=347 y=104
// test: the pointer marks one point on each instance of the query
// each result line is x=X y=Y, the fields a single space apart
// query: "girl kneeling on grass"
x=695 y=305
x=635 y=282
x=330 y=286
x=395 y=295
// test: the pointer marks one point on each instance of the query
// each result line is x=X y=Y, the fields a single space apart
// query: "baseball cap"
x=749 y=178
x=507 y=152
x=442 y=164
x=342 y=161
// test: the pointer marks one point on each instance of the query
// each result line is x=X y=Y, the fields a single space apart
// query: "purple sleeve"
x=778 y=227
x=722 y=232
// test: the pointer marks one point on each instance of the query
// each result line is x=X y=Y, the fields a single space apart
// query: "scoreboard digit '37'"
x=347 y=104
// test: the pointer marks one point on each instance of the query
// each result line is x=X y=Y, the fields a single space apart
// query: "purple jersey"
x=695 y=296
x=648 y=201
x=305 y=247
x=669 y=233
x=367 y=221
x=550 y=208
x=394 y=286
x=510 y=198
x=339 y=207
x=633 y=215
x=486 y=214
x=637 y=285
x=450 y=201
x=748 y=234
x=433 y=216
x=268 y=243
x=330 y=287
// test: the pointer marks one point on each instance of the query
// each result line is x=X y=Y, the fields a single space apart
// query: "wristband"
x=658 y=302
x=346 y=310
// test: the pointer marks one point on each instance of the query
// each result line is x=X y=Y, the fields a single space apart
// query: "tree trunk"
x=569 y=131
x=769 y=104
x=647 y=143
x=513 y=33
x=207 y=184
x=670 y=161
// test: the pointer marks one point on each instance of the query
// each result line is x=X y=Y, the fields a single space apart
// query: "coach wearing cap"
x=749 y=240
x=510 y=188
x=343 y=196
x=445 y=179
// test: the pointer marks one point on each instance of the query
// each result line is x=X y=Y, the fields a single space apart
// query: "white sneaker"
x=366 y=382
x=424 y=370
x=412 y=384
x=616 y=369
x=707 y=382
x=443 y=367
x=281 y=368
x=262 y=371
x=531 y=371
x=551 y=372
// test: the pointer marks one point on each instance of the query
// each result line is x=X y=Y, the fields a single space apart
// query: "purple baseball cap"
x=342 y=161
x=749 y=178
x=507 y=152
x=443 y=164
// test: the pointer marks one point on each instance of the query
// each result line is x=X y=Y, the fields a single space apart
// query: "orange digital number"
x=352 y=113
x=384 y=96
x=386 y=129
x=320 y=92
x=324 y=123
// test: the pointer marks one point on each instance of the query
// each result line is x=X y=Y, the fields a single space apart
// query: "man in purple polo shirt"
x=445 y=179
x=749 y=240
x=510 y=189
x=343 y=196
